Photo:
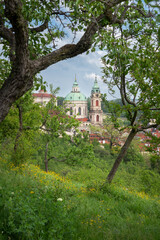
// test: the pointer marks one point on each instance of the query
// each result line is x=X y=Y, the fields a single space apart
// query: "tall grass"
x=35 y=205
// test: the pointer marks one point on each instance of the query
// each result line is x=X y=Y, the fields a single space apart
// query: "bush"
x=133 y=154
x=155 y=162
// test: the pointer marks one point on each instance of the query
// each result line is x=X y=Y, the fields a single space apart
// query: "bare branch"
x=141 y=11
x=40 y=28
x=5 y=32
x=148 y=127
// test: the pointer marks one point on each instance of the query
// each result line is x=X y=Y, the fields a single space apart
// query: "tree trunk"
x=121 y=155
x=111 y=143
x=46 y=160
x=14 y=87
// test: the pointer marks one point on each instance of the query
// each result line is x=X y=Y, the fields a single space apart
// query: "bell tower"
x=96 y=113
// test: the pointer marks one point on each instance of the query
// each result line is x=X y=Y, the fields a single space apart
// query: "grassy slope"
x=38 y=205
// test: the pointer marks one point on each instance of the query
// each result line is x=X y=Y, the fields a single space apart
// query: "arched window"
x=79 y=110
x=92 y=103
x=97 y=103
x=97 y=118
x=71 y=111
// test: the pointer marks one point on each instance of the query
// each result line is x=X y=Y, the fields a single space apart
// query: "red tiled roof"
x=42 y=94
x=83 y=119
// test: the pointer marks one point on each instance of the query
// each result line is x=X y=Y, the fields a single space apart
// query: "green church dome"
x=75 y=96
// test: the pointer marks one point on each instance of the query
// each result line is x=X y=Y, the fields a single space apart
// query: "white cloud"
x=91 y=76
x=93 y=59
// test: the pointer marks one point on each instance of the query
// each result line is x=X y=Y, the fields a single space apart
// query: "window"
x=97 y=103
x=97 y=118
x=79 y=111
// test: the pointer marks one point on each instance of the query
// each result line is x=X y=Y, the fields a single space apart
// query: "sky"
x=83 y=67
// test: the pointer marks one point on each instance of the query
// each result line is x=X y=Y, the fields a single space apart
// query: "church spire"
x=95 y=88
x=75 y=87
x=95 y=81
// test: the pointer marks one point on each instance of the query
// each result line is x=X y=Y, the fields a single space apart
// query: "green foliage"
x=133 y=154
x=155 y=162
x=60 y=101
x=129 y=67
x=19 y=130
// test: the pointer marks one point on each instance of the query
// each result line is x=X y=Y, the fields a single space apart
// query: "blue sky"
x=85 y=67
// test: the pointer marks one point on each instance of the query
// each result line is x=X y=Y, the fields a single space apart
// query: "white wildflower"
x=60 y=199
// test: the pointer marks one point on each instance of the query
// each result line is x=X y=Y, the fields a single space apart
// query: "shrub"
x=133 y=154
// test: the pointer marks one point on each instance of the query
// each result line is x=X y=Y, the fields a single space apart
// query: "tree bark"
x=121 y=155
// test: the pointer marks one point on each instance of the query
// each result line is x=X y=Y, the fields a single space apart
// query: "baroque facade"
x=78 y=104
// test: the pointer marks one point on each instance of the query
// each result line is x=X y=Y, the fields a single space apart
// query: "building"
x=42 y=97
x=77 y=104
x=96 y=113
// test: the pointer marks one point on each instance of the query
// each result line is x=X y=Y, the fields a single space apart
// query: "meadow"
x=73 y=204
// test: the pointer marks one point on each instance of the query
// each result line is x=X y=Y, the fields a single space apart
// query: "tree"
x=20 y=129
x=111 y=131
x=60 y=101
x=55 y=124
x=132 y=65
x=154 y=149
x=29 y=31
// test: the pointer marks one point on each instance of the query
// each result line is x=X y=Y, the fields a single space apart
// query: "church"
x=77 y=104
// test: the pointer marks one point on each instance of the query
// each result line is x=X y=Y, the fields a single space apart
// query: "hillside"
x=39 y=205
